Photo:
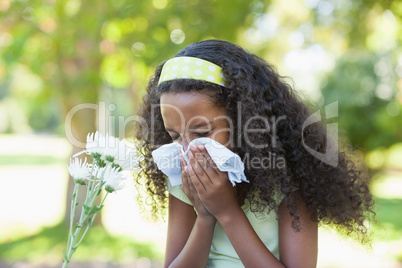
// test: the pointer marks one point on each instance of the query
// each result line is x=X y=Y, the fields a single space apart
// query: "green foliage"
x=81 y=51
x=389 y=225
x=365 y=87
x=75 y=47
x=48 y=244
x=30 y=160
x=92 y=210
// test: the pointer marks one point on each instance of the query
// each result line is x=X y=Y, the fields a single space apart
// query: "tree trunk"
x=78 y=78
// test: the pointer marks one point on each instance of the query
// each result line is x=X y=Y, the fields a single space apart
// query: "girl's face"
x=191 y=115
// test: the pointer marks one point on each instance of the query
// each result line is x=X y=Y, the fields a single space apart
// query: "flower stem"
x=92 y=220
x=70 y=241
x=90 y=181
x=92 y=192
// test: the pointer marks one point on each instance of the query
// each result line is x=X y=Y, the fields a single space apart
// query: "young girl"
x=217 y=90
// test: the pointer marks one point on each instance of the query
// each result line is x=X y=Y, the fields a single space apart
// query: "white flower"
x=127 y=158
x=106 y=148
x=79 y=170
x=97 y=172
x=114 y=147
x=114 y=179
x=95 y=143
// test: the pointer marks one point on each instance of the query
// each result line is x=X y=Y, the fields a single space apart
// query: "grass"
x=389 y=219
x=31 y=160
x=389 y=212
x=48 y=244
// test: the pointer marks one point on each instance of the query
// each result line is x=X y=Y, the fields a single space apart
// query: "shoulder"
x=298 y=244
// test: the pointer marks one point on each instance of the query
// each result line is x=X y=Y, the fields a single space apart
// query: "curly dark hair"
x=336 y=195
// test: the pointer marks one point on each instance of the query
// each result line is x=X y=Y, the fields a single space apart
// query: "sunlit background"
x=55 y=55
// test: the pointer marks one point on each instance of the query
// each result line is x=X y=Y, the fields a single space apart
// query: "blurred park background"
x=57 y=54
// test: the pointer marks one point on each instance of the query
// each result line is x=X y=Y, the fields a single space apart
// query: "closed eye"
x=202 y=134
x=199 y=134
x=175 y=138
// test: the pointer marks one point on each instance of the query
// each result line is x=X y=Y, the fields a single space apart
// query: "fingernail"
x=193 y=147
x=201 y=146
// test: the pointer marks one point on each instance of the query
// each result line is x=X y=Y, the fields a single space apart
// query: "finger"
x=194 y=179
x=211 y=167
x=182 y=162
x=203 y=150
x=202 y=176
x=184 y=177
x=190 y=178
x=184 y=183
x=205 y=159
x=187 y=181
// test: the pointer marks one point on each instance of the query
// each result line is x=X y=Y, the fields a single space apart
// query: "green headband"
x=191 y=68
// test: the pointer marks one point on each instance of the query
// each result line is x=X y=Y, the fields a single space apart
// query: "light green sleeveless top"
x=222 y=253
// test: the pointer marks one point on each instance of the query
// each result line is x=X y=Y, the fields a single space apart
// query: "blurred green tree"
x=367 y=78
x=359 y=43
x=55 y=55
x=59 y=55
x=372 y=117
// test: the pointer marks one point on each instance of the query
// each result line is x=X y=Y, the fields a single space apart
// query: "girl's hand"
x=212 y=185
x=190 y=191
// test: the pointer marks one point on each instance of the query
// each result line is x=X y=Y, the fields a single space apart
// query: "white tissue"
x=167 y=159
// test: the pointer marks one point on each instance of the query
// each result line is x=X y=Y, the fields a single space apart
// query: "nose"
x=185 y=142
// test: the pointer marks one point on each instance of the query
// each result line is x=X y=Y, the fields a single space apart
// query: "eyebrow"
x=170 y=130
x=201 y=125
x=194 y=127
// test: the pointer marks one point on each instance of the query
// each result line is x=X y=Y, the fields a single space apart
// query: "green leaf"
x=80 y=181
x=96 y=209
x=76 y=204
x=96 y=156
x=102 y=163
x=99 y=191
x=109 y=158
x=109 y=189
x=114 y=165
x=92 y=210
x=87 y=209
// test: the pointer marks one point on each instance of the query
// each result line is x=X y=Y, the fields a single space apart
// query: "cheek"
x=224 y=140
x=222 y=136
